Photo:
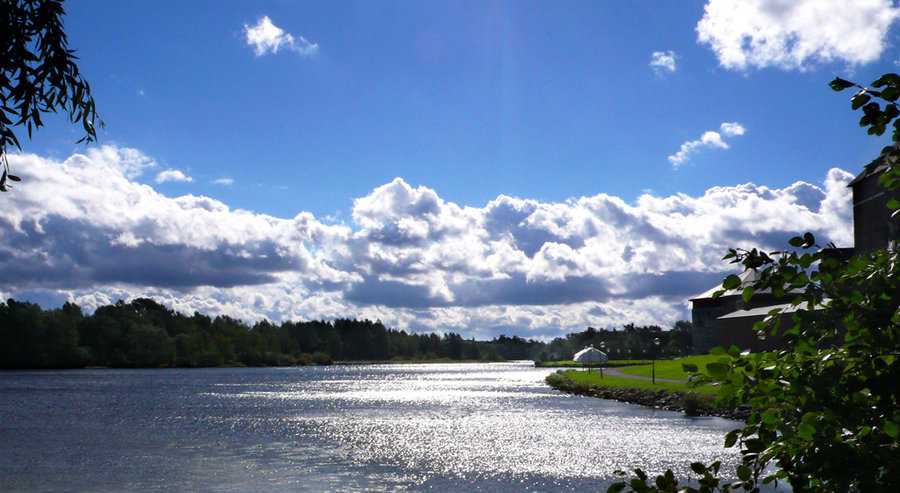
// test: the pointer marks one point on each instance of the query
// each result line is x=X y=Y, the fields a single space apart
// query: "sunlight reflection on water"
x=486 y=421
x=494 y=427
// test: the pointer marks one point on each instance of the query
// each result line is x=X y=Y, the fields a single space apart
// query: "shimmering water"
x=491 y=427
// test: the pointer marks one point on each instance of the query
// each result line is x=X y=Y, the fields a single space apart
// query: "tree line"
x=143 y=333
x=627 y=342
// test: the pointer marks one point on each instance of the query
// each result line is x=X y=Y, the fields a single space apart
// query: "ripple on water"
x=489 y=423
x=378 y=428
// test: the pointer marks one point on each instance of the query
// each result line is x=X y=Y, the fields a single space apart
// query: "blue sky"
x=481 y=167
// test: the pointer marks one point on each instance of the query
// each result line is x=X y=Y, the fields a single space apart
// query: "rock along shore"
x=669 y=400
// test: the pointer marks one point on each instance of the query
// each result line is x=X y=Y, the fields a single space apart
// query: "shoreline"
x=690 y=403
x=439 y=361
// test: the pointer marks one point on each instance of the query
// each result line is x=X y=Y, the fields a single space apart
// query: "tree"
x=824 y=411
x=38 y=74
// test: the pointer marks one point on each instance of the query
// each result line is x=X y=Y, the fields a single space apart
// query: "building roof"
x=875 y=168
x=764 y=310
x=749 y=277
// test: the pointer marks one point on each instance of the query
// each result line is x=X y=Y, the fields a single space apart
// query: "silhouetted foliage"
x=144 y=333
x=38 y=74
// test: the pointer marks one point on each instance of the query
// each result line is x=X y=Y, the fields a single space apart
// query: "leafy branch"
x=825 y=410
x=38 y=74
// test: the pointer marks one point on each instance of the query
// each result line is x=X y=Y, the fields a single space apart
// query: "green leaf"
x=748 y=293
x=730 y=440
x=731 y=282
x=698 y=467
x=754 y=445
x=892 y=79
x=860 y=99
x=891 y=93
x=663 y=483
x=769 y=416
x=839 y=84
x=808 y=240
x=806 y=431
x=810 y=418
x=872 y=111
x=796 y=241
x=891 y=429
x=616 y=487
x=743 y=472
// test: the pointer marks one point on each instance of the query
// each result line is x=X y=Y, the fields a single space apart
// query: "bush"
x=321 y=358
x=693 y=404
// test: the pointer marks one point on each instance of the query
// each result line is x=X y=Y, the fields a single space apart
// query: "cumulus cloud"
x=708 y=139
x=172 y=175
x=266 y=37
x=662 y=62
x=84 y=230
x=732 y=129
x=794 y=34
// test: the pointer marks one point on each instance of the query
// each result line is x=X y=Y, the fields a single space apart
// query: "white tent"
x=590 y=355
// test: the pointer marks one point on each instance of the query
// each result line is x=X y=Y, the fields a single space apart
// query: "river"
x=458 y=427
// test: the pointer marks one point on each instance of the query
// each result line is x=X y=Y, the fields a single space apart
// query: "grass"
x=593 y=379
x=570 y=363
x=670 y=368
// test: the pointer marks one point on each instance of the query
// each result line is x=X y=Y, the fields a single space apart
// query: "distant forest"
x=144 y=334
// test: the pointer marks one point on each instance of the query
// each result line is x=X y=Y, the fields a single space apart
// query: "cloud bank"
x=710 y=139
x=85 y=229
x=793 y=34
x=266 y=37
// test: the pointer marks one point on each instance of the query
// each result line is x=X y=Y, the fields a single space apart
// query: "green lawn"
x=593 y=379
x=670 y=368
x=570 y=363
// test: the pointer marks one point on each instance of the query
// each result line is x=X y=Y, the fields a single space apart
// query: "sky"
x=485 y=168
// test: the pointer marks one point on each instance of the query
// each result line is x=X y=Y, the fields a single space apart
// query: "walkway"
x=615 y=373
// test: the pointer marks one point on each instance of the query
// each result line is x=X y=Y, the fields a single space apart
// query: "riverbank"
x=662 y=395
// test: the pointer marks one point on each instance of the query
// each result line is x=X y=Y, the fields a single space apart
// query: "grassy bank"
x=593 y=379
x=661 y=395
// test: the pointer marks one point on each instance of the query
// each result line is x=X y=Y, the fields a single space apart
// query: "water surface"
x=467 y=427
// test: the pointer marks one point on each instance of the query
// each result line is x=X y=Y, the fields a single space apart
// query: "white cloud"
x=794 y=34
x=224 y=181
x=710 y=139
x=82 y=229
x=266 y=37
x=732 y=129
x=172 y=175
x=663 y=61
